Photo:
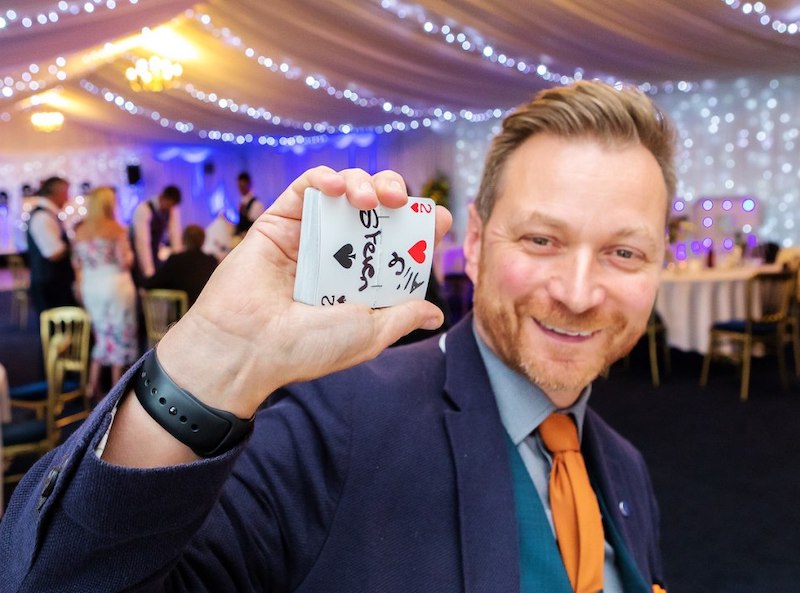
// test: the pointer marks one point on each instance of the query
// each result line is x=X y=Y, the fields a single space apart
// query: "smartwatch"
x=205 y=430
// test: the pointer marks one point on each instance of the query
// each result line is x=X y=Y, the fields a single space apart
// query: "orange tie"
x=576 y=514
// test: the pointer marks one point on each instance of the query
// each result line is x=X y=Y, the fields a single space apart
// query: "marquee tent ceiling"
x=235 y=51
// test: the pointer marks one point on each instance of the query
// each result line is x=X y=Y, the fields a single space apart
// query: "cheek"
x=515 y=276
x=638 y=297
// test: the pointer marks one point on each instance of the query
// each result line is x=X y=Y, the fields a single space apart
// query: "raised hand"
x=245 y=336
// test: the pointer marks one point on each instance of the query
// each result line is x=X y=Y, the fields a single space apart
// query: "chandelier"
x=47 y=121
x=153 y=75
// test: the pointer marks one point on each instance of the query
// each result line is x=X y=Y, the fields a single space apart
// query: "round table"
x=690 y=301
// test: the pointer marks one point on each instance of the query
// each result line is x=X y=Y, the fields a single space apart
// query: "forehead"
x=576 y=178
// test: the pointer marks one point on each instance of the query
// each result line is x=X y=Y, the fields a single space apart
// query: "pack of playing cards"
x=378 y=257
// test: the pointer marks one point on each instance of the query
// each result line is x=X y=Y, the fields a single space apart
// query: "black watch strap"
x=207 y=431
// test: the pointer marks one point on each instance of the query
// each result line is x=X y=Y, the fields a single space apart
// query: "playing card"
x=378 y=257
x=407 y=251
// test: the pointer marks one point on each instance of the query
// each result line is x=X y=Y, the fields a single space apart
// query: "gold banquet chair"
x=65 y=336
x=37 y=435
x=768 y=297
x=162 y=308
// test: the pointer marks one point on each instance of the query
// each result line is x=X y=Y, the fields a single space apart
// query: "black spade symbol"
x=341 y=299
x=345 y=256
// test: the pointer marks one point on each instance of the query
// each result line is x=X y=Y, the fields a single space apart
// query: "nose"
x=576 y=282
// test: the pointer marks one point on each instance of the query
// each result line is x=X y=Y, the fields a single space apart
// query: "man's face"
x=244 y=186
x=567 y=266
x=60 y=195
x=165 y=204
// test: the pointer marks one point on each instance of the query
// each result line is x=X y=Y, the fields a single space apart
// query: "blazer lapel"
x=618 y=500
x=486 y=516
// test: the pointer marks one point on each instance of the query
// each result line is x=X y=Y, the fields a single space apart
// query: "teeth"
x=565 y=332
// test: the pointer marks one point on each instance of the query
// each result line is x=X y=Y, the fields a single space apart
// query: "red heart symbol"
x=417 y=251
x=415 y=206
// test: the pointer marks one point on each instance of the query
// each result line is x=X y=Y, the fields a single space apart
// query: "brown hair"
x=582 y=110
x=193 y=237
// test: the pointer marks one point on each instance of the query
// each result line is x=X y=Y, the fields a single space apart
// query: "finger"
x=290 y=202
x=391 y=188
x=444 y=221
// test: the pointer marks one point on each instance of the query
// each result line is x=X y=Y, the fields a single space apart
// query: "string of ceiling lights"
x=760 y=10
x=362 y=99
x=37 y=78
x=470 y=41
x=26 y=19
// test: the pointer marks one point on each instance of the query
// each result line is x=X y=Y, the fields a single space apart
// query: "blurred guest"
x=153 y=220
x=48 y=248
x=189 y=270
x=219 y=236
x=250 y=208
x=102 y=259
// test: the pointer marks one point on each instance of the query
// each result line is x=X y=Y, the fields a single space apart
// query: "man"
x=188 y=270
x=219 y=236
x=152 y=221
x=421 y=470
x=52 y=276
x=250 y=208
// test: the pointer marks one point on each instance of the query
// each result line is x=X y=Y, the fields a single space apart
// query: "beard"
x=554 y=368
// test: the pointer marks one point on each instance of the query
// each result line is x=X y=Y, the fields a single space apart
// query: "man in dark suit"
x=188 y=270
x=421 y=470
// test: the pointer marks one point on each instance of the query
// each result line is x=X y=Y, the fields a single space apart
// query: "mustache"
x=557 y=315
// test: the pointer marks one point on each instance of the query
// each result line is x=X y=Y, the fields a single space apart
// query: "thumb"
x=394 y=322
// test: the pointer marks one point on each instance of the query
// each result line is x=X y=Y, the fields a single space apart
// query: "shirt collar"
x=523 y=405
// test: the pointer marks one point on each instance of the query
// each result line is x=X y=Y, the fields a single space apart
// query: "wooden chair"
x=794 y=322
x=768 y=298
x=162 y=308
x=65 y=335
x=36 y=436
x=20 y=281
x=657 y=333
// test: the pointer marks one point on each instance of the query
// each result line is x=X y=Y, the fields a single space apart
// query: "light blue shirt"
x=523 y=407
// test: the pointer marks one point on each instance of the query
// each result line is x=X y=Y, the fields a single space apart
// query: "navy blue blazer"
x=391 y=476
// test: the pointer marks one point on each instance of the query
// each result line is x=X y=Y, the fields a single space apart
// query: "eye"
x=625 y=253
x=542 y=241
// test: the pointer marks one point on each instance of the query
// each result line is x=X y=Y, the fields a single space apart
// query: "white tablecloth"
x=689 y=302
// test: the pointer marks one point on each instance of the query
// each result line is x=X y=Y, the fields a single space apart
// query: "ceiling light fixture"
x=47 y=121
x=153 y=75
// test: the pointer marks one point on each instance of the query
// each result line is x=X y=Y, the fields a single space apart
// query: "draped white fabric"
x=361 y=46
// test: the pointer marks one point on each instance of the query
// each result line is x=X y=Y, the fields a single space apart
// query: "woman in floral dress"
x=102 y=258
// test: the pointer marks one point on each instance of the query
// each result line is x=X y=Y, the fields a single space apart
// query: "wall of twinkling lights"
x=736 y=138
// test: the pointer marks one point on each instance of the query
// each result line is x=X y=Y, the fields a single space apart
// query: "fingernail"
x=366 y=186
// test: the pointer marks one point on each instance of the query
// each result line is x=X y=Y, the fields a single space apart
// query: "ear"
x=472 y=244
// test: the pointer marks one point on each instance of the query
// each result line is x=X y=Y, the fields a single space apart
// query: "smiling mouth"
x=565 y=332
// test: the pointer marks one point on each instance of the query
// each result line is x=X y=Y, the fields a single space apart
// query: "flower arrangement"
x=438 y=189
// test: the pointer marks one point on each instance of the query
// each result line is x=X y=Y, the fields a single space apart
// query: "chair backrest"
x=790 y=257
x=769 y=296
x=66 y=335
x=162 y=308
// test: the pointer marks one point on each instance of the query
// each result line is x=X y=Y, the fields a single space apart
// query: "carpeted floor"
x=727 y=474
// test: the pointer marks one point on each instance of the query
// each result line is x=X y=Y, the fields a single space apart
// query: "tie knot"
x=559 y=433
